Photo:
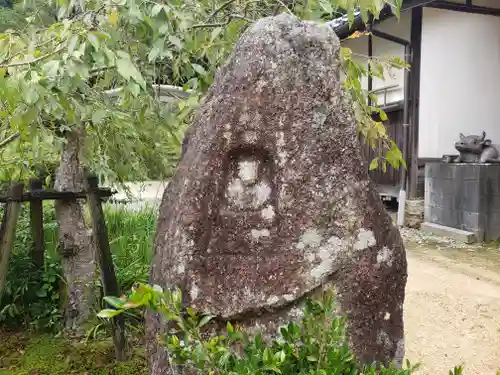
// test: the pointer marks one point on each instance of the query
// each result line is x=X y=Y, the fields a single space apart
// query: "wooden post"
x=36 y=223
x=8 y=230
x=108 y=276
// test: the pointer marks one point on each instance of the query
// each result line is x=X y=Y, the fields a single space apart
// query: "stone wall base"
x=414 y=213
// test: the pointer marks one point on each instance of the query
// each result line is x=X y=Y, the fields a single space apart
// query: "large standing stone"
x=272 y=201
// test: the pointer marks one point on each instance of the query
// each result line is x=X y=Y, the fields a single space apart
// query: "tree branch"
x=210 y=25
x=284 y=6
x=220 y=9
x=34 y=61
x=23 y=52
x=230 y=18
x=96 y=71
x=9 y=139
x=240 y=17
x=381 y=59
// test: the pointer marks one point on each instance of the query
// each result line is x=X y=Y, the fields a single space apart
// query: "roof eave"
x=345 y=30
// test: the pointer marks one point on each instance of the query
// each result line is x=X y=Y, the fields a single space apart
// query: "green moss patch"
x=49 y=355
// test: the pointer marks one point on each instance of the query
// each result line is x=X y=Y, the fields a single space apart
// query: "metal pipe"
x=406 y=114
x=406 y=133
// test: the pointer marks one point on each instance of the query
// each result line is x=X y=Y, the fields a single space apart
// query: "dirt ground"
x=452 y=307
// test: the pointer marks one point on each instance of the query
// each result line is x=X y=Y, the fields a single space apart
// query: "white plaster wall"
x=137 y=195
x=400 y=28
x=460 y=79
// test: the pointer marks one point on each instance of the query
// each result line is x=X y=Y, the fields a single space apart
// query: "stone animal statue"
x=476 y=149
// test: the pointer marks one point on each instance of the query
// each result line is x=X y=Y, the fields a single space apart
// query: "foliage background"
x=68 y=54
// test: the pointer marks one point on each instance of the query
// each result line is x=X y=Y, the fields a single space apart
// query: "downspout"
x=406 y=120
x=406 y=140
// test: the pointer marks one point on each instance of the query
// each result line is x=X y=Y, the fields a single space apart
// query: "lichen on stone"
x=364 y=240
x=384 y=256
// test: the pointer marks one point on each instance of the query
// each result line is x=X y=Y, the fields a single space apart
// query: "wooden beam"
x=36 y=223
x=108 y=276
x=416 y=42
x=8 y=232
x=465 y=8
x=55 y=195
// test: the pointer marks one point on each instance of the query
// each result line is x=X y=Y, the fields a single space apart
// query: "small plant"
x=316 y=346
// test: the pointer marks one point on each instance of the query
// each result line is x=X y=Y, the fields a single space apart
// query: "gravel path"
x=452 y=312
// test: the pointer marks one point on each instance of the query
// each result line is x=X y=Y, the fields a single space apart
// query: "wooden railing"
x=385 y=90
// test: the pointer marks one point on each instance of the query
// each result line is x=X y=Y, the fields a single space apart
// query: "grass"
x=48 y=355
x=131 y=237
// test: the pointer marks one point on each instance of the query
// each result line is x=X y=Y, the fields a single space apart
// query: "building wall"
x=480 y=3
x=381 y=47
x=487 y=3
x=137 y=195
x=460 y=80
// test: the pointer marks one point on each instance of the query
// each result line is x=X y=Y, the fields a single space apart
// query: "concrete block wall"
x=464 y=196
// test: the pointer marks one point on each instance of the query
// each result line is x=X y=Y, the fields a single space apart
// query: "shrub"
x=316 y=346
x=32 y=296
x=10 y=19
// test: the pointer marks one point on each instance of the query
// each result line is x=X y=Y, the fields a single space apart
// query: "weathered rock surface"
x=272 y=201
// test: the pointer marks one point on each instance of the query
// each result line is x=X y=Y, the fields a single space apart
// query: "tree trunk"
x=75 y=245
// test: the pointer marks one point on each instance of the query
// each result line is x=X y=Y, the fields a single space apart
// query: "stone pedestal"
x=414 y=213
x=464 y=196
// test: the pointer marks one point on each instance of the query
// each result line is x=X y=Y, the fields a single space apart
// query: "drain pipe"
x=406 y=136
x=406 y=120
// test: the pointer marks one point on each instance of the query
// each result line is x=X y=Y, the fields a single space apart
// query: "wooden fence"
x=35 y=196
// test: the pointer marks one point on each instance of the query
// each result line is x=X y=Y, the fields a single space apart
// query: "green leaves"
x=394 y=156
x=199 y=69
x=175 y=41
x=59 y=73
x=51 y=68
x=94 y=41
x=205 y=320
x=109 y=313
x=317 y=345
x=366 y=105
x=114 y=301
x=128 y=70
x=98 y=116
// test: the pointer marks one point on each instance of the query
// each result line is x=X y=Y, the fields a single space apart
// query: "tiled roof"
x=341 y=24
x=342 y=21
